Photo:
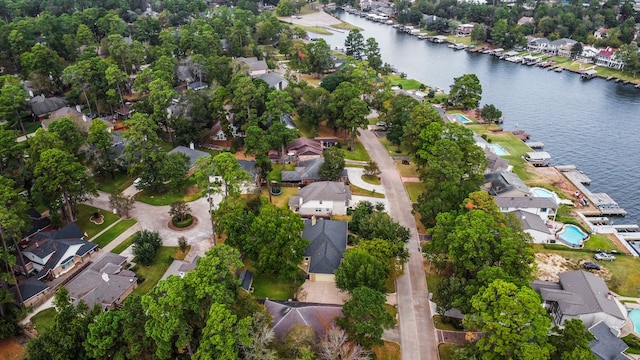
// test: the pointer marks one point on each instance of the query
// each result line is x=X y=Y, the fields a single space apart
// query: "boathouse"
x=538 y=158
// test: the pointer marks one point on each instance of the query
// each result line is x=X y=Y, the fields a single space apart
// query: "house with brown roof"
x=105 y=283
x=286 y=314
x=303 y=149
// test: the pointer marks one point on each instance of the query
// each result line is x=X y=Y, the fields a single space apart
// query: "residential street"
x=417 y=332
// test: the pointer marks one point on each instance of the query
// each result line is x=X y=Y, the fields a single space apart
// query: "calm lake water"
x=594 y=124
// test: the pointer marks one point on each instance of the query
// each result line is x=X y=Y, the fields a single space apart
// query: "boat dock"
x=598 y=220
x=605 y=205
x=535 y=145
x=632 y=228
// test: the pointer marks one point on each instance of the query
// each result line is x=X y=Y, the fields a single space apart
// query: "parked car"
x=590 y=265
x=604 y=256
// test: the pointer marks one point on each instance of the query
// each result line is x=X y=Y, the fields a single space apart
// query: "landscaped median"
x=83 y=220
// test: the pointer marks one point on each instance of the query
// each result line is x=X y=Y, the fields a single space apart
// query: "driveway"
x=417 y=332
x=355 y=178
x=322 y=292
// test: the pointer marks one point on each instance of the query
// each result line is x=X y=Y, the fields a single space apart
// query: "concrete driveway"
x=322 y=292
x=355 y=178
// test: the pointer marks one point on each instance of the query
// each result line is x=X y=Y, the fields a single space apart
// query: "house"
x=503 y=183
x=197 y=86
x=286 y=314
x=607 y=57
x=581 y=295
x=327 y=244
x=183 y=73
x=464 y=29
x=538 y=45
x=533 y=225
x=323 y=198
x=542 y=207
x=306 y=172
x=218 y=134
x=42 y=106
x=304 y=149
x=246 y=281
x=105 y=283
x=606 y=345
x=565 y=50
x=191 y=153
x=601 y=33
x=525 y=20
x=538 y=158
x=496 y=163
x=38 y=223
x=124 y=112
x=588 y=54
x=555 y=45
x=256 y=67
x=274 y=80
x=326 y=141
x=254 y=176
x=32 y=292
x=56 y=252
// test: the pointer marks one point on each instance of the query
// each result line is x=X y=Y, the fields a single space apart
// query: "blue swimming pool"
x=634 y=315
x=498 y=150
x=572 y=235
x=463 y=119
x=540 y=192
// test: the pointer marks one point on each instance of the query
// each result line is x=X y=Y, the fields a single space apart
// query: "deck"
x=605 y=205
x=535 y=145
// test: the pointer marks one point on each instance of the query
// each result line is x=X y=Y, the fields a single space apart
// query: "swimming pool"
x=634 y=315
x=463 y=119
x=572 y=235
x=498 y=150
x=540 y=192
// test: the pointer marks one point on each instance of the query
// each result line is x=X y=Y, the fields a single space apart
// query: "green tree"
x=11 y=153
x=364 y=317
x=173 y=172
x=629 y=55
x=372 y=52
x=279 y=136
x=491 y=113
x=68 y=133
x=60 y=176
x=572 y=342
x=354 y=44
x=318 y=58
x=179 y=210
x=102 y=154
x=277 y=233
x=359 y=268
x=499 y=32
x=514 y=323
x=466 y=91
x=478 y=34
x=372 y=169
x=13 y=105
x=422 y=115
x=576 y=50
x=219 y=340
x=398 y=116
x=145 y=246
x=333 y=165
x=122 y=204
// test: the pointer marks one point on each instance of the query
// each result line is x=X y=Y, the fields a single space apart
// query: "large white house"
x=322 y=198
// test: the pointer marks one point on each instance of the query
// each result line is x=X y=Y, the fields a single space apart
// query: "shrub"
x=145 y=246
x=184 y=223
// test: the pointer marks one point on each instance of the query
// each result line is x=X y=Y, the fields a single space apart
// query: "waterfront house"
x=105 y=283
x=543 y=207
x=565 y=50
x=327 y=244
x=464 y=29
x=581 y=295
x=504 y=183
x=554 y=46
x=496 y=163
x=588 y=54
x=607 y=57
x=534 y=226
x=322 y=198
x=538 y=45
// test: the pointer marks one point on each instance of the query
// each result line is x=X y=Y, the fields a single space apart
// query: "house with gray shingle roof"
x=534 y=226
x=606 y=345
x=322 y=198
x=191 y=153
x=33 y=292
x=256 y=67
x=581 y=295
x=274 y=80
x=543 y=207
x=286 y=314
x=327 y=244
x=504 y=183
x=55 y=252
x=105 y=283
x=41 y=106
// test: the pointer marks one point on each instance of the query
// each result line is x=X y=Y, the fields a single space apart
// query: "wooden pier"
x=605 y=205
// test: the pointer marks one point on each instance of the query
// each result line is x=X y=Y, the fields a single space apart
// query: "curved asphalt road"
x=417 y=332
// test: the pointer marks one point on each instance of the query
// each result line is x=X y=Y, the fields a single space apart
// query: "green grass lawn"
x=116 y=185
x=153 y=273
x=283 y=199
x=414 y=190
x=375 y=180
x=599 y=241
x=190 y=193
x=84 y=214
x=443 y=323
x=459 y=39
x=388 y=351
x=43 y=320
x=363 y=192
x=625 y=270
x=410 y=170
x=392 y=148
x=346 y=26
x=113 y=232
x=359 y=154
x=31 y=126
x=314 y=29
x=124 y=245
x=405 y=84
x=269 y=286
x=634 y=344
x=447 y=351
x=276 y=171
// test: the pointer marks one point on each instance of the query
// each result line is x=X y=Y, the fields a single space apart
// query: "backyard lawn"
x=283 y=199
x=153 y=273
x=120 y=182
x=113 y=232
x=414 y=189
x=359 y=154
x=624 y=271
x=190 y=193
x=276 y=171
x=124 y=245
x=43 y=320
x=405 y=84
x=269 y=286
x=84 y=214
